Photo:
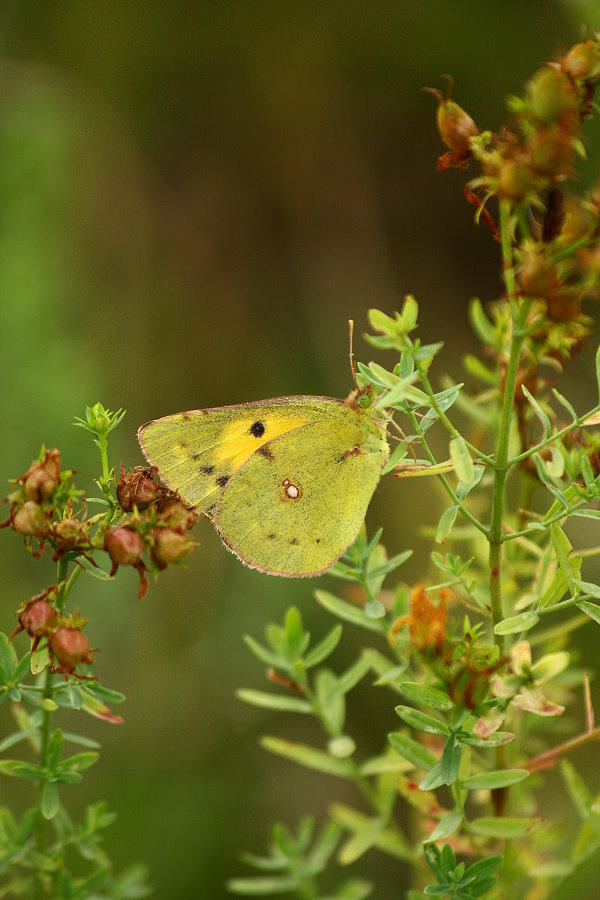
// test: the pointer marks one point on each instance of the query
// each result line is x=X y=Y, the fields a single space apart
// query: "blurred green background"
x=194 y=198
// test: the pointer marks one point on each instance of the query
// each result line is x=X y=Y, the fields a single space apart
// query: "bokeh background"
x=194 y=198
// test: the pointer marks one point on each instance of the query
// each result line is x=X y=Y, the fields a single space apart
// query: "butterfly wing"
x=294 y=508
x=196 y=452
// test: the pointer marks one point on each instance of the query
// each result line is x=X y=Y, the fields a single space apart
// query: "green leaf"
x=461 y=460
x=332 y=703
x=483 y=868
x=563 y=548
x=55 y=748
x=446 y=826
x=421 y=721
x=324 y=648
x=309 y=757
x=361 y=841
x=481 y=325
x=426 y=695
x=389 y=841
x=565 y=403
x=274 y=701
x=590 y=609
x=497 y=739
x=542 y=416
x=8 y=656
x=497 y=779
x=505 y=828
x=263 y=886
x=49 y=800
x=265 y=656
x=432 y=780
x=349 y=613
x=397 y=455
x=578 y=791
x=79 y=761
x=354 y=673
x=450 y=760
x=515 y=624
x=17 y=769
x=446 y=523
x=294 y=631
x=412 y=750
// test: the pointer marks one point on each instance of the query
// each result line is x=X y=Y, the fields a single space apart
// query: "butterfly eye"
x=257 y=429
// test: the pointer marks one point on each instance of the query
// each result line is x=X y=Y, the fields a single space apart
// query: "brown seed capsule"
x=176 y=515
x=536 y=275
x=37 y=618
x=516 y=180
x=69 y=647
x=563 y=305
x=551 y=150
x=30 y=520
x=138 y=488
x=42 y=478
x=170 y=546
x=124 y=546
x=582 y=61
x=70 y=534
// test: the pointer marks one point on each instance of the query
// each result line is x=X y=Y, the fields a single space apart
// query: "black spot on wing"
x=271 y=536
x=222 y=480
x=196 y=456
x=206 y=470
x=294 y=541
x=257 y=429
x=185 y=417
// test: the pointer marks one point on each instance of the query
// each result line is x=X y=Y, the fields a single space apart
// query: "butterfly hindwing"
x=296 y=507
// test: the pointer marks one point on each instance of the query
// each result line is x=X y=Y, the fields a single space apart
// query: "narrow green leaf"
x=294 y=632
x=80 y=761
x=396 y=457
x=426 y=695
x=542 y=416
x=361 y=841
x=578 y=791
x=274 y=701
x=18 y=769
x=563 y=548
x=324 y=648
x=263 y=886
x=590 y=609
x=565 y=403
x=49 y=800
x=497 y=779
x=391 y=842
x=450 y=760
x=349 y=613
x=446 y=826
x=497 y=739
x=55 y=748
x=461 y=460
x=432 y=780
x=354 y=673
x=265 y=656
x=481 y=325
x=8 y=656
x=421 y=721
x=309 y=757
x=515 y=624
x=446 y=523
x=412 y=750
x=505 y=828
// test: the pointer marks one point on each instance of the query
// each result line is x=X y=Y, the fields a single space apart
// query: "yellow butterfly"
x=287 y=481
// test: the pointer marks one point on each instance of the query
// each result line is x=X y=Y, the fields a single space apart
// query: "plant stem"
x=519 y=317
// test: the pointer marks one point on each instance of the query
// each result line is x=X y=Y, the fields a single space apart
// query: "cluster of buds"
x=67 y=645
x=462 y=664
x=524 y=163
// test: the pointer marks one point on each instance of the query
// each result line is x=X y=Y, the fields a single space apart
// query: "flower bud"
x=582 y=61
x=42 y=478
x=456 y=127
x=563 y=305
x=30 y=520
x=138 y=488
x=170 y=546
x=551 y=150
x=69 y=647
x=551 y=95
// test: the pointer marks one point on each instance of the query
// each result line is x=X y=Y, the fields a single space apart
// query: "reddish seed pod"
x=176 y=515
x=170 y=546
x=124 y=546
x=70 y=534
x=138 y=488
x=37 y=618
x=456 y=127
x=30 y=520
x=42 y=478
x=537 y=275
x=69 y=647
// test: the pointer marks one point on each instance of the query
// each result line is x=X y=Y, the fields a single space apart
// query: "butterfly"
x=287 y=481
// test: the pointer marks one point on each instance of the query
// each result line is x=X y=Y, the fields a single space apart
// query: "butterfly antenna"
x=352 y=360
